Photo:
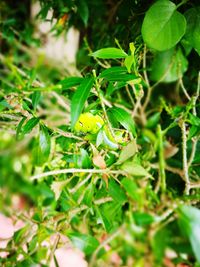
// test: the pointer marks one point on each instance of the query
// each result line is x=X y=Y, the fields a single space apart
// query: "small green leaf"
x=116 y=192
x=135 y=169
x=127 y=152
x=70 y=82
x=163 y=26
x=79 y=98
x=129 y=62
x=189 y=222
x=19 y=127
x=102 y=218
x=28 y=127
x=109 y=53
x=124 y=118
x=115 y=74
x=42 y=147
x=131 y=188
x=142 y=218
x=153 y=120
x=194 y=120
x=36 y=96
x=85 y=243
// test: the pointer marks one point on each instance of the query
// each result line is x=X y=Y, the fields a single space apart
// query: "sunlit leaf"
x=79 y=98
x=163 y=26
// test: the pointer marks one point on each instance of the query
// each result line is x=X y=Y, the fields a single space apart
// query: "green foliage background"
x=134 y=184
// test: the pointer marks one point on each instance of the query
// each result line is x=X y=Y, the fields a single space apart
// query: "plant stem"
x=103 y=105
x=161 y=159
x=184 y=152
x=195 y=139
x=64 y=171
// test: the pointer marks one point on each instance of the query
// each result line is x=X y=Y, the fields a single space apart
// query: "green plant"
x=107 y=158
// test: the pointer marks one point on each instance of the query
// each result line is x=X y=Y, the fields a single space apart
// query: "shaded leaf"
x=168 y=66
x=192 y=31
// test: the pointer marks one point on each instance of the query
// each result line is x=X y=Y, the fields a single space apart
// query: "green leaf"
x=102 y=218
x=116 y=192
x=127 y=152
x=124 y=118
x=70 y=82
x=142 y=218
x=135 y=169
x=36 y=96
x=129 y=62
x=44 y=142
x=83 y=11
x=79 y=98
x=189 y=222
x=85 y=243
x=163 y=26
x=19 y=127
x=131 y=188
x=117 y=74
x=192 y=31
x=153 y=120
x=109 y=53
x=168 y=66
x=42 y=147
x=194 y=120
x=28 y=127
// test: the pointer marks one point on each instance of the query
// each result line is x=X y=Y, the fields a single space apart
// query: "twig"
x=184 y=152
x=102 y=104
x=195 y=139
x=161 y=159
x=74 y=189
x=184 y=89
x=73 y=170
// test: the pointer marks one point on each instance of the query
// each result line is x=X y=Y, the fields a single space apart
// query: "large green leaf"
x=79 y=98
x=117 y=74
x=109 y=53
x=189 y=222
x=168 y=66
x=124 y=118
x=192 y=31
x=86 y=243
x=163 y=26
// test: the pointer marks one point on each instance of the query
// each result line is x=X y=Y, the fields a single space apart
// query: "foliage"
x=107 y=156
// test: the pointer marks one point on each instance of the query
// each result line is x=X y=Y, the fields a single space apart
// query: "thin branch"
x=73 y=170
x=184 y=152
x=195 y=139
